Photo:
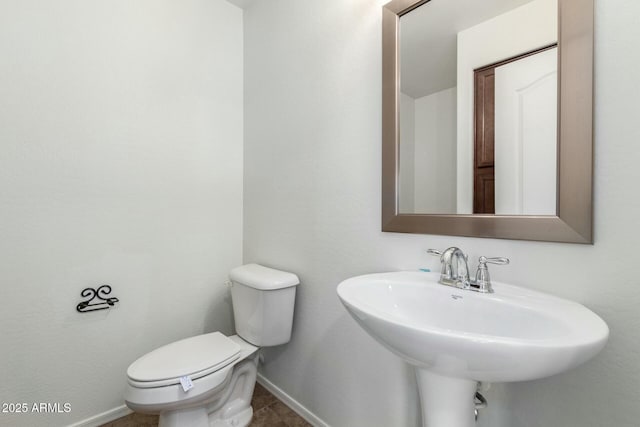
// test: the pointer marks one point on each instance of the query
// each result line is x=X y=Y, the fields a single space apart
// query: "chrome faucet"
x=455 y=270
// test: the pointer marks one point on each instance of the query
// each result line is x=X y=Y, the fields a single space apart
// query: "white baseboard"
x=308 y=416
x=105 y=417
x=123 y=411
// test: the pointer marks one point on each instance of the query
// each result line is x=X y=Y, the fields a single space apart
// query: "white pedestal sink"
x=455 y=338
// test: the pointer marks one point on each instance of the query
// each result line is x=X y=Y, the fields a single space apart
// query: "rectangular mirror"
x=487 y=112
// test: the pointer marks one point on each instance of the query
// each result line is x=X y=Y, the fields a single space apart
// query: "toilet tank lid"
x=263 y=278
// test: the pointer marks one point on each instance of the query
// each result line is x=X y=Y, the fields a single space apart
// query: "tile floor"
x=268 y=411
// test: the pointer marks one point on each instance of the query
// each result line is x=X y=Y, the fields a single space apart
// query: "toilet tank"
x=263 y=300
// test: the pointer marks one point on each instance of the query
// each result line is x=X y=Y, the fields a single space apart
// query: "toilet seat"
x=148 y=397
x=194 y=357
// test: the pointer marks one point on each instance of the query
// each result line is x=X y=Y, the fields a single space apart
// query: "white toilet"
x=217 y=372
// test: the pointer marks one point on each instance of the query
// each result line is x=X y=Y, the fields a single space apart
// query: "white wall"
x=435 y=152
x=312 y=206
x=427 y=175
x=528 y=27
x=121 y=141
x=407 y=149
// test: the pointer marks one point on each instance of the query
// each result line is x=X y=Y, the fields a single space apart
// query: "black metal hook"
x=100 y=295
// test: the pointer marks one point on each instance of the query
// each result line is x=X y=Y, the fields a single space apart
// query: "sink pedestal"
x=446 y=401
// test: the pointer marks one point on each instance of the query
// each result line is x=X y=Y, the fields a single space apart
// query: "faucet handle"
x=483 y=280
x=494 y=260
x=434 y=252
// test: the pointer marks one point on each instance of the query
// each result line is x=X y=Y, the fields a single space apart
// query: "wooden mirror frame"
x=574 y=220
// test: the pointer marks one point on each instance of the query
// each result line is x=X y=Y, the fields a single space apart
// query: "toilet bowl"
x=208 y=380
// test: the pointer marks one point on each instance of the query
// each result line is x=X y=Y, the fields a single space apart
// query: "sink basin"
x=456 y=338
x=513 y=334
